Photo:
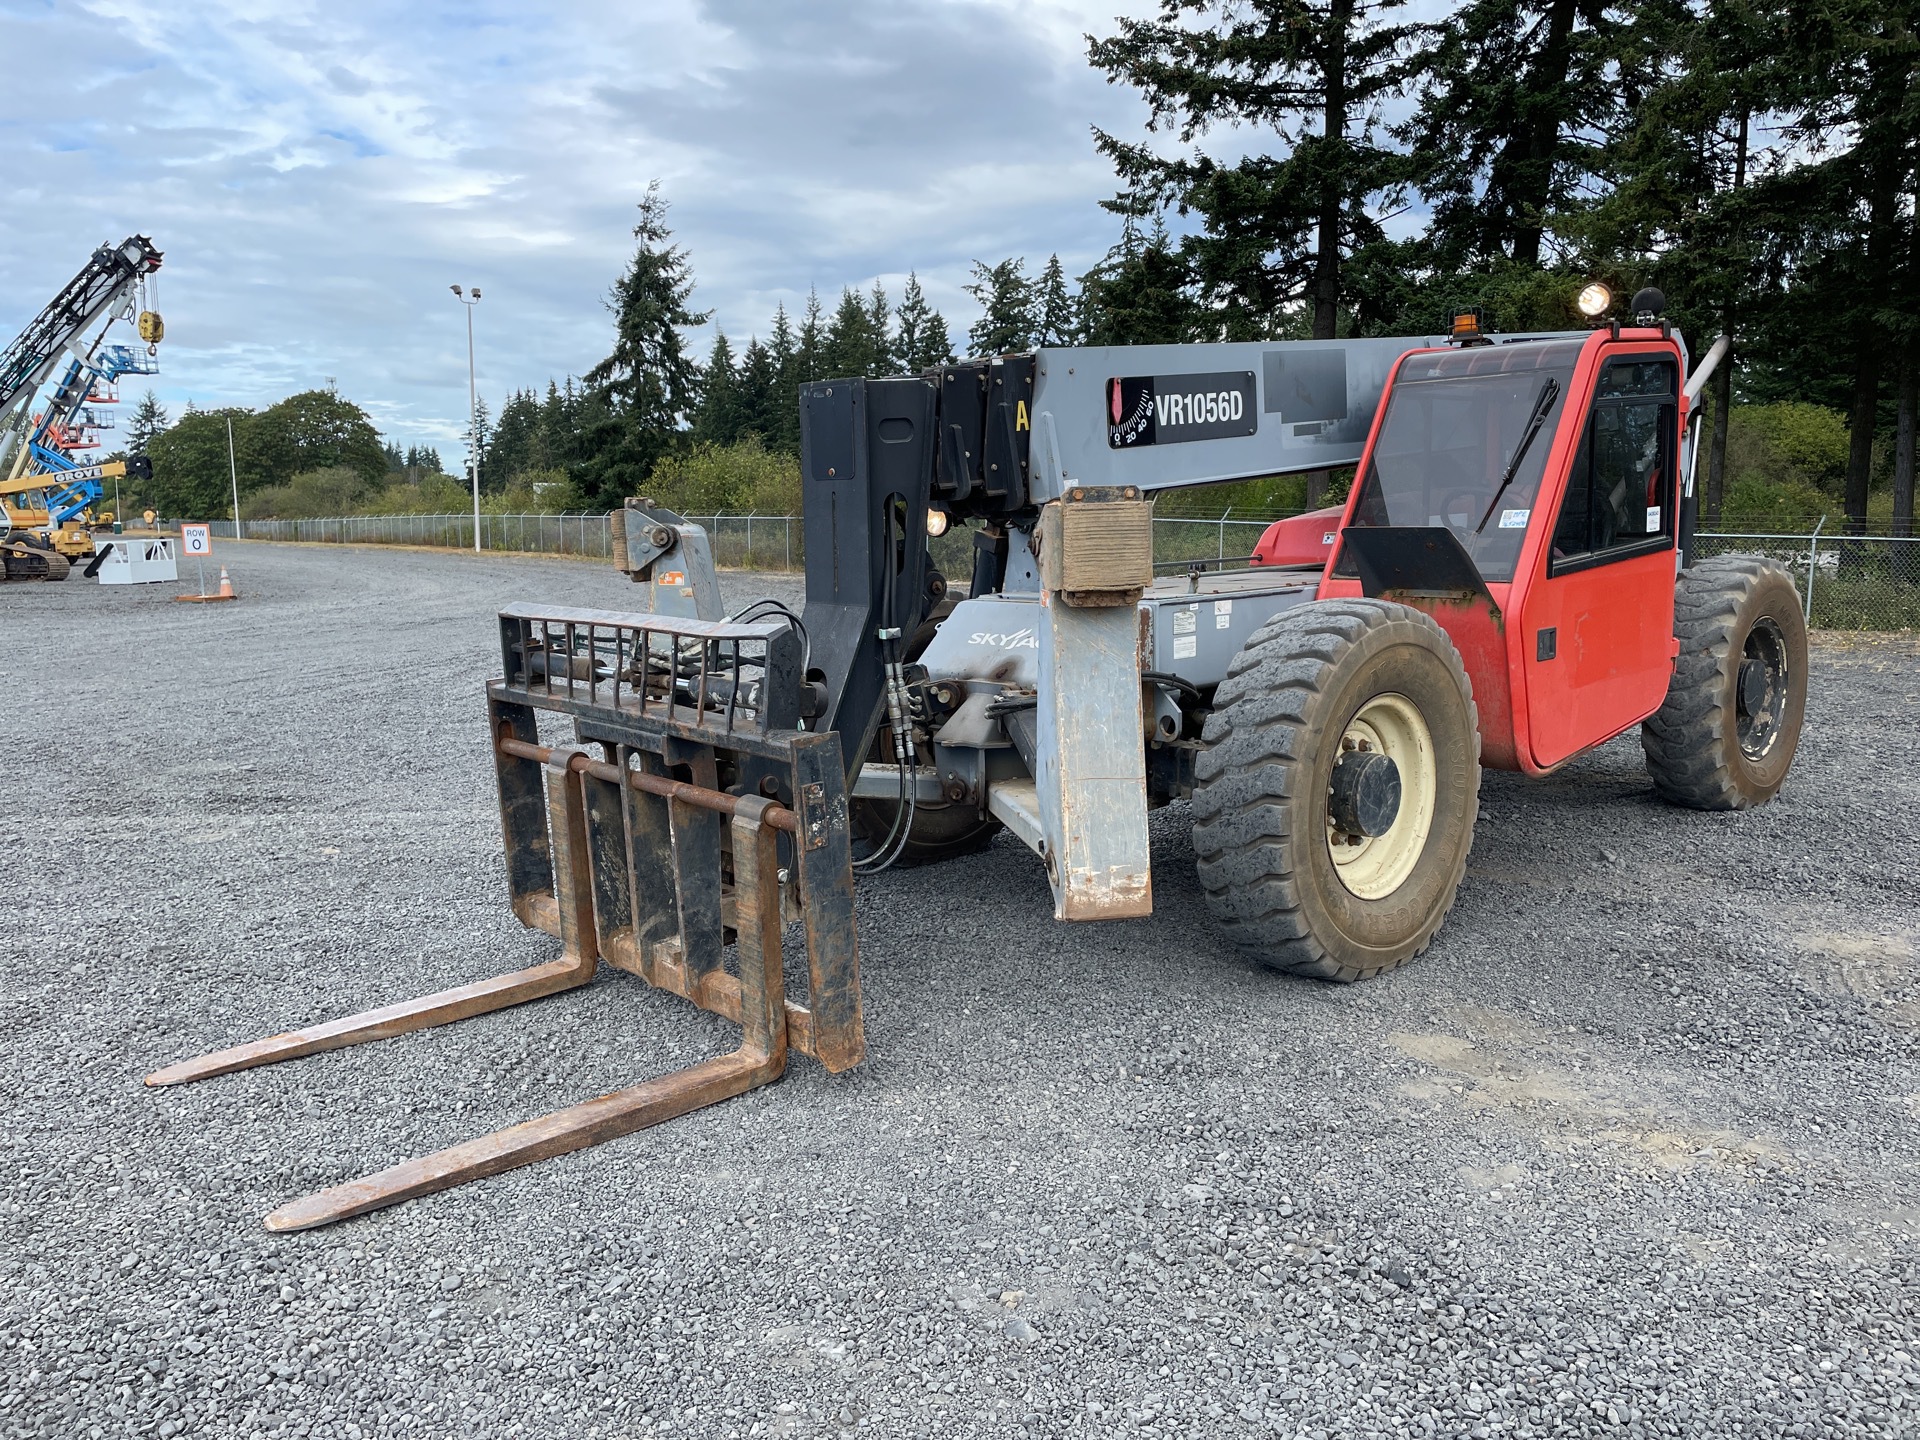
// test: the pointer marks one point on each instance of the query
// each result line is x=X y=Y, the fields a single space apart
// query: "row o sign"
x=196 y=540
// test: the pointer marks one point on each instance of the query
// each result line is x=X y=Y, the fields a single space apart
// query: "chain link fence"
x=764 y=542
x=1848 y=582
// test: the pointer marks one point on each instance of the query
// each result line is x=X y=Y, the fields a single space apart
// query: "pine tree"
x=1139 y=295
x=1518 y=99
x=920 y=341
x=1058 y=309
x=396 y=461
x=516 y=446
x=759 y=389
x=719 y=420
x=810 y=346
x=1007 y=321
x=1680 y=203
x=562 y=446
x=479 y=431
x=853 y=346
x=1274 y=230
x=1874 y=54
x=149 y=419
x=643 y=391
x=784 y=400
x=879 y=324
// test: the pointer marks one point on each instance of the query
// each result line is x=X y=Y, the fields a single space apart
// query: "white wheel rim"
x=1374 y=866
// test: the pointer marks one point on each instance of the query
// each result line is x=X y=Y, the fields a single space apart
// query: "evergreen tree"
x=149 y=419
x=721 y=418
x=642 y=392
x=517 y=444
x=562 y=447
x=396 y=461
x=783 y=402
x=810 y=347
x=853 y=344
x=1007 y=321
x=1518 y=99
x=879 y=323
x=760 y=393
x=920 y=342
x=1274 y=230
x=1680 y=204
x=479 y=432
x=1058 y=311
x=1139 y=295
x=1856 y=106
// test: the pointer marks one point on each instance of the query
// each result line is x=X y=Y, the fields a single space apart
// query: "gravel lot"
x=1632 y=1150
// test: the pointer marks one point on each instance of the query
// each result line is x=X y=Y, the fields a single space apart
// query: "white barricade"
x=135 y=559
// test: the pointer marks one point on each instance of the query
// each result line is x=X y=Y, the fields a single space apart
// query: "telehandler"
x=1508 y=584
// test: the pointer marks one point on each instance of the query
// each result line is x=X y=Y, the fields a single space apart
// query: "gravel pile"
x=1631 y=1151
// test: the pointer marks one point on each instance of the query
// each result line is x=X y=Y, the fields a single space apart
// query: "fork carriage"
x=685 y=819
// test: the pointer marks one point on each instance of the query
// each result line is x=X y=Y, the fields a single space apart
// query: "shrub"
x=336 y=490
x=428 y=495
x=538 y=492
x=736 y=479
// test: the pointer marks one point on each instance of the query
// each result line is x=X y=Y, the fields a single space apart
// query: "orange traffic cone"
x=226 y=585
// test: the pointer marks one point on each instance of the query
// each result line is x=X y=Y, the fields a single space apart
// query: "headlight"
x=936 y=523
x=1594 y=300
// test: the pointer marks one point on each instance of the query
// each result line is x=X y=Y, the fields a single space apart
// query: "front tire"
x=1297 y=870
x=1726 y=735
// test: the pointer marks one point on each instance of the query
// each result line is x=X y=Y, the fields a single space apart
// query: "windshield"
x=1454 y=423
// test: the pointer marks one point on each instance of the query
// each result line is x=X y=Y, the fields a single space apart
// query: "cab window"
x=1620 y=497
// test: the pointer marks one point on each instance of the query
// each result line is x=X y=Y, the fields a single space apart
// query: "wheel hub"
x=1365 y=797
x=1759 y=688
x=1381 y=796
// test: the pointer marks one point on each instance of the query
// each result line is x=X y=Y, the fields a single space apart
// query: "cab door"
x=1597 y=641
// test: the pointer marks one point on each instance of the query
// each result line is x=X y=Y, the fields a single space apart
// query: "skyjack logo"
x=1013 y=640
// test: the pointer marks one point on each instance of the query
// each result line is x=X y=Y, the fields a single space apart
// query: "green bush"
x=336 y=490
x=733 y=479
x=537 y=492
x=429 y=495
x=1772 y=507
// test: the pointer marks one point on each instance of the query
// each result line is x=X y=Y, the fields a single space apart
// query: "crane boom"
x=110 y=272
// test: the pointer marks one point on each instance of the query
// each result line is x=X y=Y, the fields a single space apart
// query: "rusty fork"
x=757 y=1000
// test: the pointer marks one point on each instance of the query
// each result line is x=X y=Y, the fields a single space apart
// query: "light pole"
x=473 y=411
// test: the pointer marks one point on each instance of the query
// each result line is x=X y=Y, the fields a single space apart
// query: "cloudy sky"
x=319 y=174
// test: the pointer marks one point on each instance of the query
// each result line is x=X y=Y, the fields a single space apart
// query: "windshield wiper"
x=1549 y=392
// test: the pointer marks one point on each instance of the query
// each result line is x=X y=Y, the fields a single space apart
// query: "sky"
x=318 y=175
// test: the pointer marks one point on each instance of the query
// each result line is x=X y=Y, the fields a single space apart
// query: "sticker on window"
x=1653 y=518
x=1514 y=519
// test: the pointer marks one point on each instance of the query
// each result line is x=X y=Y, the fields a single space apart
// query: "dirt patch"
x=1515 y=1066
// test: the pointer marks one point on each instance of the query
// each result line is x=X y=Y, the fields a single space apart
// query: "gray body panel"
x=996 y=638
x=1315 y=405
x=1195 y=629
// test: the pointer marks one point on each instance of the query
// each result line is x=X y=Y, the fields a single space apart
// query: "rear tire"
x=1309 y=686
x=1725 y=737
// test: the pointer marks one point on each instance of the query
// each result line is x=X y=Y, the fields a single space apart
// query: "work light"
x=1594 y=300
